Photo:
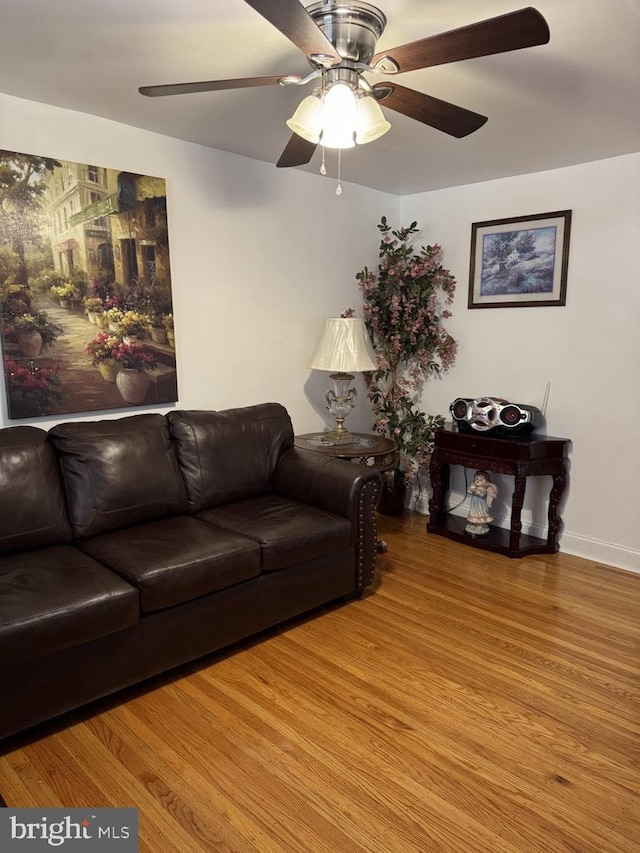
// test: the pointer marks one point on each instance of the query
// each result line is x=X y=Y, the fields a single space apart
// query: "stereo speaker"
x=495 y=416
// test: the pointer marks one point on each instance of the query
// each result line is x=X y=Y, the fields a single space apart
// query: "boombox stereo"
x=495 y=416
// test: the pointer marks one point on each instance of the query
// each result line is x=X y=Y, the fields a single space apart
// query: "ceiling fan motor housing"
x=353 y=28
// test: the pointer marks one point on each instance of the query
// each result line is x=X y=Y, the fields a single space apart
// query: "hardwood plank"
x=468 y=704
x=23 y=785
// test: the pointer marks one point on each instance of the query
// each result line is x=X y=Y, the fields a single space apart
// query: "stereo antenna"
x=545 y=399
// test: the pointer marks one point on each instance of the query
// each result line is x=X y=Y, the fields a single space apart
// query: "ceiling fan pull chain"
x=339 y=187
x=323 y=168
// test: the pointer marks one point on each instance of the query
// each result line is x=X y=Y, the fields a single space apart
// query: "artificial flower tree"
x=405 y=306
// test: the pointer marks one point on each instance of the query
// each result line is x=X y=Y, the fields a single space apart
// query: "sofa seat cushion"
x=58 y=597
x=288 y=532
x=176 y=560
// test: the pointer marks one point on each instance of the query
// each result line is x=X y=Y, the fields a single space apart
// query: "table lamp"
x=344 y=347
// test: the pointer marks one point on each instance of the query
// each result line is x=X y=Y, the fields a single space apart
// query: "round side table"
x=375 y=450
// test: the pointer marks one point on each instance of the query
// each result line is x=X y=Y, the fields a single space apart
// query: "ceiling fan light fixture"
x=339 y=117
x=370 y=121
x=307 y=119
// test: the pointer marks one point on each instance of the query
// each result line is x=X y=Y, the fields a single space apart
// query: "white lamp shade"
x=370 y=121
x=307 y=119
x=344 y=347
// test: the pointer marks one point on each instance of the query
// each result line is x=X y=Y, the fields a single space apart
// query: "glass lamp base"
x=340 y=402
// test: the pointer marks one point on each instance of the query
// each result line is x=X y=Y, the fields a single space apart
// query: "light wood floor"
x=469 y=703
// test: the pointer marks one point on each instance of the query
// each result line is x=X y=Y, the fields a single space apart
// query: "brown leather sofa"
x=131 y=546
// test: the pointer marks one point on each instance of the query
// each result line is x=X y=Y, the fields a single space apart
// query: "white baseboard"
x=601 y=552
x=570 y=543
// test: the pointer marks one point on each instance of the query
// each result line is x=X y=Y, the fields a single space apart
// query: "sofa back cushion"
x=34 y=510
x=231 y=455
x=118 y=473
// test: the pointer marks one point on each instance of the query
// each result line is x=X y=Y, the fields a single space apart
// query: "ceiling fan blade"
x=293 y=21
x=207 y=86
x=456 y=121
x=297 y=152
x=513 y=31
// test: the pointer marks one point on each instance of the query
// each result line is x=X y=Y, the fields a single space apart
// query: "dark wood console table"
x=522 y=457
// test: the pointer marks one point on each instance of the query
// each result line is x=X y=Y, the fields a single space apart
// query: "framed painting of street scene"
x=86 y=307
x=520 y=262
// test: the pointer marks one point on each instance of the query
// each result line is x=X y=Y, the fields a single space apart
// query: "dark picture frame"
x=520 y=262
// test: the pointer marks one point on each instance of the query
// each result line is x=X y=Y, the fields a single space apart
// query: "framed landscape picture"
x=520 y=262
x=86 y=306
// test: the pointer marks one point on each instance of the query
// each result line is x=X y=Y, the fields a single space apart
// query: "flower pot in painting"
x=171 y=338
x=108 y=370
x=30 y=343
x=133 y=385
x=102 y=321
x=158 y=334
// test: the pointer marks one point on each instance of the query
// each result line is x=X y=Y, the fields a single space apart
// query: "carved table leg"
x=516 y=510
x=557 y=491
x=439 y=479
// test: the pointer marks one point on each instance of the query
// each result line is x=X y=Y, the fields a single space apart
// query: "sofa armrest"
x=344 y=488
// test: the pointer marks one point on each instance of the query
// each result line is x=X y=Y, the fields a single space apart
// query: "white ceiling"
x=573 y=100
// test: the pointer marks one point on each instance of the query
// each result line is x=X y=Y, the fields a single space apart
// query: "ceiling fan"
x=339 y=39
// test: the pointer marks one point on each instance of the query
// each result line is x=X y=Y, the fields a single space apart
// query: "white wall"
x=589 y=350
x=259 y=257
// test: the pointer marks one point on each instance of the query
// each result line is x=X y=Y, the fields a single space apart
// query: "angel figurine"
x=483 y=493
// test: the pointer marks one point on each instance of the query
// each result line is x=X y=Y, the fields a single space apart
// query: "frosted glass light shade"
x=339 y=117
x=307 y=119
x=370 y=121
x=343 y=346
